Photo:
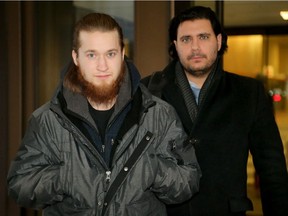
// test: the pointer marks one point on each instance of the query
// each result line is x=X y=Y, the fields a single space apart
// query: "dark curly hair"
x=194 y=13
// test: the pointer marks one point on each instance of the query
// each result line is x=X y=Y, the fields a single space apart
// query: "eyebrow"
x=200 y=34
x=110 y=50
x=184 y=36
x=204 y=33
x=89 y=51
x=113 y=50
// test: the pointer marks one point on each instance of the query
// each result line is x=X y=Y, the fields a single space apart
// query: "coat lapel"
x=172 y=94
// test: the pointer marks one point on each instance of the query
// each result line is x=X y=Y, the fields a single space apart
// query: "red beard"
x=100 y=94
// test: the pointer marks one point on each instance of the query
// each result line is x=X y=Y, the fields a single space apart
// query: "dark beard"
x=100 y=94
x=198 y=73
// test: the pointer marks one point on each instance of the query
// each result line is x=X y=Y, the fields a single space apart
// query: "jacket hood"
x=76 y=103
x=132 y=78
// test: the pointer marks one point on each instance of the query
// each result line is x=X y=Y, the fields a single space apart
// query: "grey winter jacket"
x=59 y=170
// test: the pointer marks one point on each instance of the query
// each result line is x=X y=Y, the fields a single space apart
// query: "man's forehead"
x=98 y=31
x=96 y=37
x=197 y=26
x=196 y=22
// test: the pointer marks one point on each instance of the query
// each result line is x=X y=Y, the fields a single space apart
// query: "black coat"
x=235 y=117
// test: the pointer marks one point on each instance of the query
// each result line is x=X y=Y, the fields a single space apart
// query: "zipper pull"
x=108 y=176
x=103 y=148
x=173 y=146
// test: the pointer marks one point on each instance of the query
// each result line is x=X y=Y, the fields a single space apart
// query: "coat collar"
x=172 y=93
x=77 y=105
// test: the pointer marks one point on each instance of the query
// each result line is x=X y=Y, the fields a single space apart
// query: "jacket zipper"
x=108 y=179
x=108 y=172
x=74 y=130
x=88 y=144
x=108 y=176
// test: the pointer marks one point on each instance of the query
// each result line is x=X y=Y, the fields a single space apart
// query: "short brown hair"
x=96 y=21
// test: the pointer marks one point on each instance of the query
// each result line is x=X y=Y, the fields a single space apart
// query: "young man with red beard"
x=103 y=145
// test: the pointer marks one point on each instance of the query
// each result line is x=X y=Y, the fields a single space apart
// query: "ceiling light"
x=284 y=15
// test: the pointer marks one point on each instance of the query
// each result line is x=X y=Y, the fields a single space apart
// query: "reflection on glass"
x=265 y=58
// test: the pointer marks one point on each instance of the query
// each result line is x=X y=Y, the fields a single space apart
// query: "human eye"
x=204 y=36
x=185 y=39
x=90 y=55
x=111 y=54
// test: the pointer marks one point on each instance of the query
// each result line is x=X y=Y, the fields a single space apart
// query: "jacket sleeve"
x=268 y=157
x=178 y=174
x=34 y=175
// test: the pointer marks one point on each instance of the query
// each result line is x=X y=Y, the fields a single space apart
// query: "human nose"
x=195 y=44
x=102 y=63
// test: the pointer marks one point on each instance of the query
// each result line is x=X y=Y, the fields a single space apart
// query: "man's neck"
x=102 y=106
x=198 y=81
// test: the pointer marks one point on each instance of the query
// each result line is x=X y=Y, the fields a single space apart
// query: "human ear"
x=75 y=57
x=219 y=41
x=123 y=54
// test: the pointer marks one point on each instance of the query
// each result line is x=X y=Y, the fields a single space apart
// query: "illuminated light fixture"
x=284 y=15
x=277 y=98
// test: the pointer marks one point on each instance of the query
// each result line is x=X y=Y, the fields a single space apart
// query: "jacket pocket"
x=240 y=204
x=149 y=206
x=69 y=207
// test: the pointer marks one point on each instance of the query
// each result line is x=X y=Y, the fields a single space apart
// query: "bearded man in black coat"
x=226 y=116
